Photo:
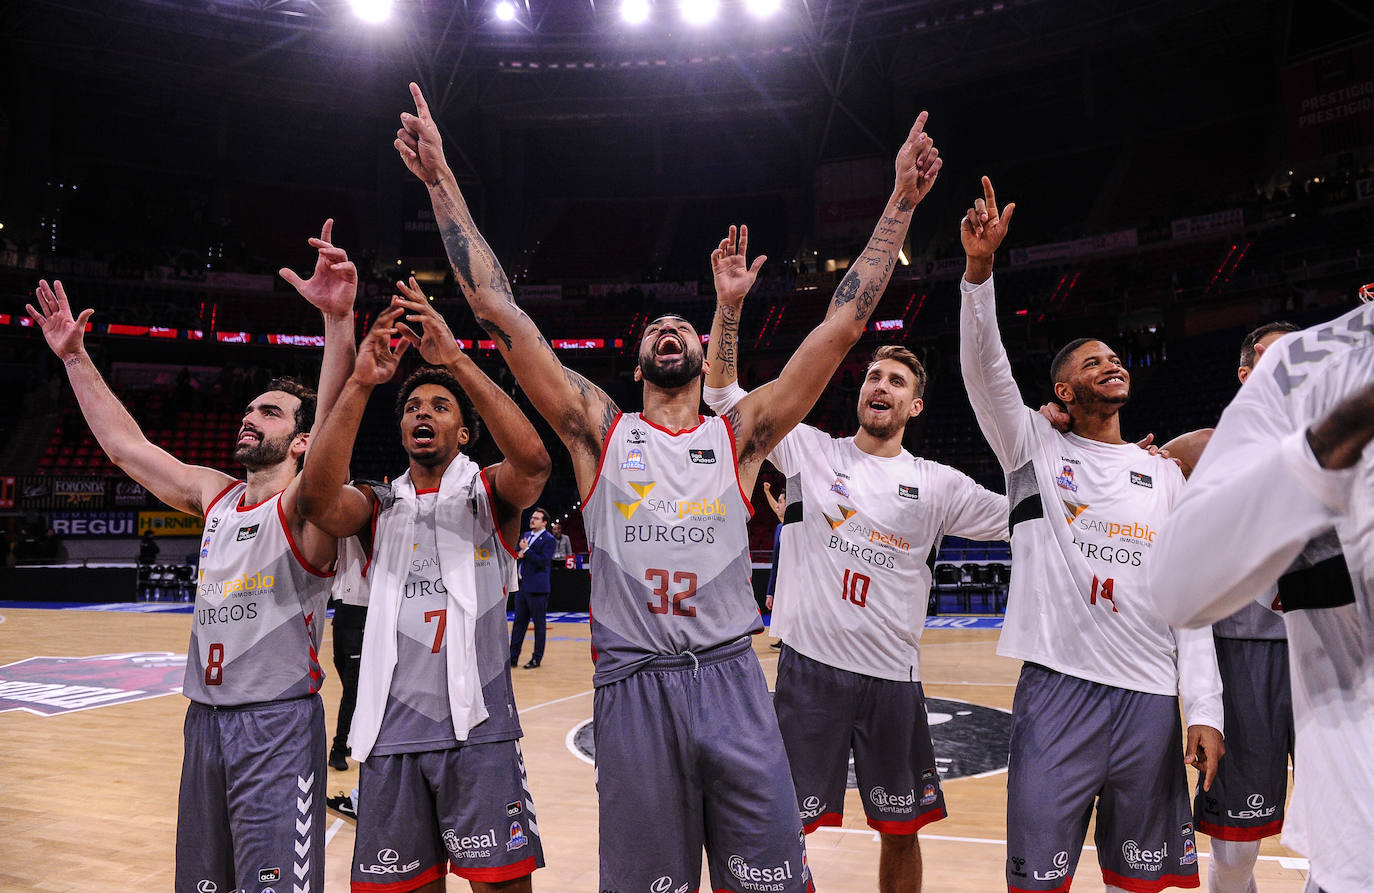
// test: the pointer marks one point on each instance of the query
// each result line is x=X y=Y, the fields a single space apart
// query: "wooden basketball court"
x=88 y=798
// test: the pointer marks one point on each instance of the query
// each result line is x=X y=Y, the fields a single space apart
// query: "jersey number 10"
x=854 y=589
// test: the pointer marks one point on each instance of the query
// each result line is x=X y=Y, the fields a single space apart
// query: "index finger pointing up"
x=420 y=105
x=919 y=127
x=989 y=196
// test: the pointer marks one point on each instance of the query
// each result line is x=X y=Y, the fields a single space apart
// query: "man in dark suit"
x=532 y=599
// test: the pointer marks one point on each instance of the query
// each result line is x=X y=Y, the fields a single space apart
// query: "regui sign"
x=48 y=686
x=94 y=523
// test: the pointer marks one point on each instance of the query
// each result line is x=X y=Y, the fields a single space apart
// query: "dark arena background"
x=1183 y=170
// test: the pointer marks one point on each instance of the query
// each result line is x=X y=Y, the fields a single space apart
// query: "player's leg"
x=816 y=718
x=518 y=626
x=397 y=847
x=275 y=767
x=539 y=607
x=650 y=822
x=754 y=838
x=1058 y=762
x=895 y=764
x=486 y=814
x=205 y=849
x=348 y=653
x=1144 y=834
x=1245 y=803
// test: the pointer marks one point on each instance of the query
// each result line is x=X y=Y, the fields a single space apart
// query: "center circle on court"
x=969 y=739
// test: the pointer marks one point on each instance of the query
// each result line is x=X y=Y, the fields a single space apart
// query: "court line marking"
x=333 y=829
x=580 y=694
x=1295 y=863
x=570 y=742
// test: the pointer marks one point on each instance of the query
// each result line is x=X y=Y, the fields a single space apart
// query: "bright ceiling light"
x=372 y=11
x=505 y=11
x=762 y=9
x=699 y=12
x=634 y=12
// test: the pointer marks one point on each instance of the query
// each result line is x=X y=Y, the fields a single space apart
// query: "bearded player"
x=251 y=808
x=684 y=730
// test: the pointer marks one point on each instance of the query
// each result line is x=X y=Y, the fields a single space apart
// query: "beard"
x=885 y=428
x=669 y=379
x=263 y=454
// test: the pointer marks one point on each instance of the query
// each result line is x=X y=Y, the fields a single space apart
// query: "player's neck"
x=1102 y=425
x=677 y=409
x=428 y=477
x=264 y=483
x=874 y=445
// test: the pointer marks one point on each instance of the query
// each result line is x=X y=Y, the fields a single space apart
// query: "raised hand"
x=435 y=340
x=377 y=360
x=918 y=164
x=733 y=275
x=776 y=501
x=65 y=335
x=418 y=141
x=983 y=227
x=333 y=285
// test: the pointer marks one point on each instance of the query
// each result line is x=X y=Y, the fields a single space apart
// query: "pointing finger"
x=420 y=105
x=327 y=229
x=989 y=195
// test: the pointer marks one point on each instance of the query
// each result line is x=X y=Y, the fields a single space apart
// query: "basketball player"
x=1245 y=804
x=442 y=777
x=862 y=527
x=1285 y=492
x=687 y=745
x=251 y=808
x=1096 y=712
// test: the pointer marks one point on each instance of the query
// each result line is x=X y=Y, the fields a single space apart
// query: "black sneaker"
x=534 y=662
x=338 y=760
x=776 y=646
x=342 y=804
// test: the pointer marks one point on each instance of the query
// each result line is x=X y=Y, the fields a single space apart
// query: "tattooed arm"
x=763 y=418
x=579 y=411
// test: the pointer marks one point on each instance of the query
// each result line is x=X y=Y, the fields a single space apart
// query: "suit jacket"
x=534 y=567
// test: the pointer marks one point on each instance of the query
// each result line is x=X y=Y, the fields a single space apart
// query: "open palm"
x=65 y=335
x=733 y=275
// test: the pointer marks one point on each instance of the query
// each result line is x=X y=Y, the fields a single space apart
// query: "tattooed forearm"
x=904 y=204
x=848 y=290
x=728 y=339
x=458 y=245
x=468 y=253
x=494 y=331
x=608 y=413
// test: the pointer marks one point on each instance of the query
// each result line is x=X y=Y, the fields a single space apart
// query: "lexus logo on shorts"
x=812 y=803
x=1255 y=801
x=1061 y=859
x=662 y=885
x=387 y=857
x=207 y=886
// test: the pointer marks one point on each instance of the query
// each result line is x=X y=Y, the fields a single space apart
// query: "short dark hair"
x=1247 y=347
x=440 y=376
x=543 y=511
x=906 y=357
x=305 y=413
x=1061 y=359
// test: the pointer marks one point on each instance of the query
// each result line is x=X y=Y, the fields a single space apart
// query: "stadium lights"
x=699 y=12
x=634 y=12
x=505 y=11
x=762 y=9
x=372 y=11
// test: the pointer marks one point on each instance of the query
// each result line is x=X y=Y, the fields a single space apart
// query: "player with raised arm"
x=251 y=807
x=861 y=529
x=1284 y=493
x=684 y=730
x=1096 y=710
x=435 y=728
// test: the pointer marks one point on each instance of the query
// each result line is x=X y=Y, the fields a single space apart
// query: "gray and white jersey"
x=259 y=608
x=1257 y=620
x=667 y=525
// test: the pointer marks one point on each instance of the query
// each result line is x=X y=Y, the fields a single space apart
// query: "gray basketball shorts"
x=688 y=755
x=419 y=812
x=824 y=713
x=1075 y=742
x=250 y=814
x=1251 y=784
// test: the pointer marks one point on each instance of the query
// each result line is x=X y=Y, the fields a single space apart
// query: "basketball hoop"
x=1367 y=292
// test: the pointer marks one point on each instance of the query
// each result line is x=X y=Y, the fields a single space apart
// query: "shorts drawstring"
x=696 y=664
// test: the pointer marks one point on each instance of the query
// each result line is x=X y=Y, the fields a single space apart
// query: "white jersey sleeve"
x=971 y=511
x=992 y=390
x=1199 y=678
x=1257 y=491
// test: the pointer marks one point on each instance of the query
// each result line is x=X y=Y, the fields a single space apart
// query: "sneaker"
x=534 y=662
x=776 y=646
x=338 y=760
x=342 y=804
